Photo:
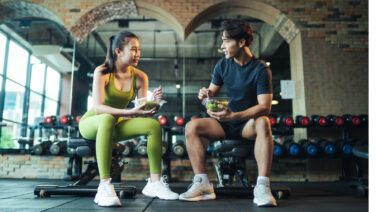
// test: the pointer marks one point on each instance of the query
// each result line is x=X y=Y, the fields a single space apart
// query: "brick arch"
x=265 y=12
x=119 y=9
x=100 y=15
x=13 y=10
x=284 y=26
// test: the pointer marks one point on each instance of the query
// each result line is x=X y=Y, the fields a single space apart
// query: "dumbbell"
x=165 y=146
x=142 y=148
x=351 y=120
x=335 y=120
x=272 y=120
x=129 y=146
x=302 y=121
x=162 y=119
x=57 y=147
x=66 y=120
x=50 y=120
x=179 y=120
x=309 y=148
x=278 y=150
x=317 y=120
x=364 y=119
x=41 y=148
x=292 y=148
x=344 y=147
x=179 y=148
x=285 y=120
x=327 y=148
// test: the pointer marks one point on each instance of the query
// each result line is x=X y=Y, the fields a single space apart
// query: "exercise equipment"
x=230 y=169
x=86 y=148
x=285 y=120
x=302 y=121
x=319 y=121
x=335 y=120
x=292 y=148
x=309 y=148
x=327 y=147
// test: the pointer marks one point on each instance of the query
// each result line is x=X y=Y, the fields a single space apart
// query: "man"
x=248 y=84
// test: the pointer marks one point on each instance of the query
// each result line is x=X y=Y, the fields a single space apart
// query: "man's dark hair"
x=238 y=29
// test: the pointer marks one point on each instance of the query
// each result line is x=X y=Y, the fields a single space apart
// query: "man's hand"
x=203 y=93
x=225 y=115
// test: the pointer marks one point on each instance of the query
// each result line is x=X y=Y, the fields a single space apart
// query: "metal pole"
x=183 y=86
x=72 y=77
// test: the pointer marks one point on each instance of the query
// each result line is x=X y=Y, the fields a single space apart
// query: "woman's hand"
x=139 y=111
x=157 y=94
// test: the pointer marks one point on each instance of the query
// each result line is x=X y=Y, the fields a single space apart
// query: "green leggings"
x=105 y=130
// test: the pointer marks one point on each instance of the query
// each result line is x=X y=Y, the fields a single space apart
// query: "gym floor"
x=17 y=195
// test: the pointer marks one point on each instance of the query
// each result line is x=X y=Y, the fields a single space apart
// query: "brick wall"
x=336 y=81
x=51 y=167
x=340 y=22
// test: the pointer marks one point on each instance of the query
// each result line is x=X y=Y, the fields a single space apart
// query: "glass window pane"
x=14 y=100
x=17 y=63
x=52 y=83
x=8 y=134
x=50 y=107
x=3 y=40
x=38 y=77
x=89 y=102
x=35 y=102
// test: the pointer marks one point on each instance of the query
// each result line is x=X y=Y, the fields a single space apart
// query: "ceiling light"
x=274 y=102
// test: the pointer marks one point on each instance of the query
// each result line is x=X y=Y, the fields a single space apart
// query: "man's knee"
x=262 y=125
x=191 y=128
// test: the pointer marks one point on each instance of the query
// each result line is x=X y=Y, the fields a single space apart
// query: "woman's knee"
x=107 y=118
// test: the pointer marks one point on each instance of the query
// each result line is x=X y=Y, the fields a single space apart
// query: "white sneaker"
x=198 y=191
x=106 y=195
x=263 y=196
x=159 y=189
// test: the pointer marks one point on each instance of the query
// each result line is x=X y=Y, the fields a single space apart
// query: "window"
x=53 y=80
x=38 y=75
x=3 y=40
x=17 y=63
x=35 y=103
x=8 y=133
x=50 y=107
x=89 y=102
x=14 y=101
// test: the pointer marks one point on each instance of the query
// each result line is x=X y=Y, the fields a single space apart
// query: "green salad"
x=212 y=105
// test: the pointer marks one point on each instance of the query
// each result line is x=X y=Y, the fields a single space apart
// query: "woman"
x=115 y=83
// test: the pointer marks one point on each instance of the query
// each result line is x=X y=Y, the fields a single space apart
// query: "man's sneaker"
x=198 y=191
x=106 y=195
x=263 y=196
x=159 y=189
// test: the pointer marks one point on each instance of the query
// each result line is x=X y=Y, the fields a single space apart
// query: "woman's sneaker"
x=263 y=196
x=159 y=189
x=198 y=191
x=106 y=195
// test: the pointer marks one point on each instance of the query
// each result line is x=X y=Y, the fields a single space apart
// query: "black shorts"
x=233 y=130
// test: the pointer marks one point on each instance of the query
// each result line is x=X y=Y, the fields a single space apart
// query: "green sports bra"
x=116 y=98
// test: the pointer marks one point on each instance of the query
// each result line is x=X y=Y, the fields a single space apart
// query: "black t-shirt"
x=243 y=83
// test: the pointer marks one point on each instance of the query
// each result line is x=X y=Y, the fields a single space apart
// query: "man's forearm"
x=252 y=113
